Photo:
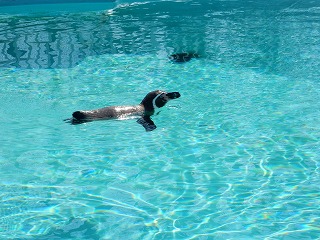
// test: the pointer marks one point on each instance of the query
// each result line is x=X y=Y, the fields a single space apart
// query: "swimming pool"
x=236 y=157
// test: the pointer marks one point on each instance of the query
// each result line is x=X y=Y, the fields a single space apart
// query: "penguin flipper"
x=147 y=123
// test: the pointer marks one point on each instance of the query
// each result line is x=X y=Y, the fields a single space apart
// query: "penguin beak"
x=173 y=95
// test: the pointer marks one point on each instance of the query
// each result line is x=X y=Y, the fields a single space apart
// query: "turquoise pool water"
x=236 y=157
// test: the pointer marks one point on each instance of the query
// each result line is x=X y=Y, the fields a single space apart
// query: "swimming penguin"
x=144 y=110
x=183 y=57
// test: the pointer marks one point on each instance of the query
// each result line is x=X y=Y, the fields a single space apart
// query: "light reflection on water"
x=276 y=37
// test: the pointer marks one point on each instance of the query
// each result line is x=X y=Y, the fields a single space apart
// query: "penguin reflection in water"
x=144 y=110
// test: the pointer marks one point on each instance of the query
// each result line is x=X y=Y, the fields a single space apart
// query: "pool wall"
x=30 y=2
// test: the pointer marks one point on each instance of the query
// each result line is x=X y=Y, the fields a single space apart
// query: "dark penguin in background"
x=183 y=57
x=144 y=110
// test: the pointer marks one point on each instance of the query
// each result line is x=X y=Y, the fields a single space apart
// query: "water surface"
x=236 y=157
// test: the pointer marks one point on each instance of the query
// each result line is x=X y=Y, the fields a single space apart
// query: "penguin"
x=183 y=57
x=151 y=102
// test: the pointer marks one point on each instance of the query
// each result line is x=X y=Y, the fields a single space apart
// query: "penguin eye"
x=164 y=97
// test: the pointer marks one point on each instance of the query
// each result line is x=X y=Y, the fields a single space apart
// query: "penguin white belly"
x=109 y=113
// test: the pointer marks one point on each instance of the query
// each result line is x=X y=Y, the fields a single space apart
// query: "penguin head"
x=157 y=99
x=183 y=57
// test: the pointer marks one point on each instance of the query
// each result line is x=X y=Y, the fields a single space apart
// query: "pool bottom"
x=232 y=158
